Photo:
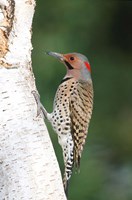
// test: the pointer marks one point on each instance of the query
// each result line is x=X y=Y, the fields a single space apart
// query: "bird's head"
x=77 y=65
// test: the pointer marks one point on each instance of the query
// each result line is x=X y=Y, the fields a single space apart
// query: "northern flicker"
x=72 y=109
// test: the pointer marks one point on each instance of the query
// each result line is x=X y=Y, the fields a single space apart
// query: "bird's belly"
x=62 y=126
x=61 y=121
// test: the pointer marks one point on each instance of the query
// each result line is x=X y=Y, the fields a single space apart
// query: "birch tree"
x=28 y=165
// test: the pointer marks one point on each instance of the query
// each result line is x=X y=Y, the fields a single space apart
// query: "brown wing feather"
x=81 y=104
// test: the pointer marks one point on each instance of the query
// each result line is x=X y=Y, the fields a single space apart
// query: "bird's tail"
x=65 y=184
x=77 y=162
x=67 y=176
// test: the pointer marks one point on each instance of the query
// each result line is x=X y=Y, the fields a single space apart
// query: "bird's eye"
x=71 y=58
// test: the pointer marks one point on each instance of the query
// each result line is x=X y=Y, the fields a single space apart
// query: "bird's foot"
x=40 y=107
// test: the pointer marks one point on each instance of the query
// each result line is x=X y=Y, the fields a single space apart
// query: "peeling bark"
x=28 y=165
x=6 y=23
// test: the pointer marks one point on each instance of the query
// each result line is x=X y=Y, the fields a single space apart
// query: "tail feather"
x=67 y=176
x=77 y=158
x=66 y=184
x=77 y=166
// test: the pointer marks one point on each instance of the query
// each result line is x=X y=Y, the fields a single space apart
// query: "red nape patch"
x=88 y=66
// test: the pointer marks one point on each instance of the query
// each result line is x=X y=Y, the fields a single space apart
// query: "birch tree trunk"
x=28 y=165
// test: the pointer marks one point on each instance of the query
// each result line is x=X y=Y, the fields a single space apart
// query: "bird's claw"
x=37 y=99
x=40 y=108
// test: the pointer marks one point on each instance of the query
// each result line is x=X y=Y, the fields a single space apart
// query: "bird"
x=72 y=110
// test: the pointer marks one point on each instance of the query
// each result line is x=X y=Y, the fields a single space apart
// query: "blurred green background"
x=101 y=30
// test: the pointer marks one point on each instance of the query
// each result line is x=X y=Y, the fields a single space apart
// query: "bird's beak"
x=56 y=55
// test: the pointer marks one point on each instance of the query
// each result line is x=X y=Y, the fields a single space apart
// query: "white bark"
x=28 y=165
